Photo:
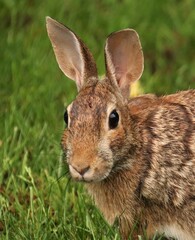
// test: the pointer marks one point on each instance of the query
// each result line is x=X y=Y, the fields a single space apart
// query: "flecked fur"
x=143 y=171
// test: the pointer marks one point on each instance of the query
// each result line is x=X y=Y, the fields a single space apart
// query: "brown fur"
x=142 y=172
x=157 y=184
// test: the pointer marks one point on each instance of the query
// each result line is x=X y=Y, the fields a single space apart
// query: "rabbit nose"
x=81 y=171
x=84 y=170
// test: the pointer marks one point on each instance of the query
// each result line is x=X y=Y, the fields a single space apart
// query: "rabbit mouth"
x=90 y=174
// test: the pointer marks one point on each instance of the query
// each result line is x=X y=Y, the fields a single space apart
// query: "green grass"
x=34 y=203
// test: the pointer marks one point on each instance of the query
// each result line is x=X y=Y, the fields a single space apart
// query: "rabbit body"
x=157 y=190
x=136 y=155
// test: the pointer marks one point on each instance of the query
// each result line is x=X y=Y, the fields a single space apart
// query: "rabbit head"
x=98 y=138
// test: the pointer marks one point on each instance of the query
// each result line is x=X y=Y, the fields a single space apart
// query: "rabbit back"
x=167 y=127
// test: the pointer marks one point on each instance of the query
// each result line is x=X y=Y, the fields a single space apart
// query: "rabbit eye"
x=113 y=119
x=66 y=117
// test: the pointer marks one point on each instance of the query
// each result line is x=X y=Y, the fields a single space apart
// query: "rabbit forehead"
x=93 y=101
x=89 y=111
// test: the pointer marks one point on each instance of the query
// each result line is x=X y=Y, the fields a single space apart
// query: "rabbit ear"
x=124 y=59
x=73 y=57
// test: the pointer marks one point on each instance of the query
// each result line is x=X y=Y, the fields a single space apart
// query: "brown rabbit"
x=137 y=155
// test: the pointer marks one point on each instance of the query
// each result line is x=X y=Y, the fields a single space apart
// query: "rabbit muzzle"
x=94 y=172
x=90 y=165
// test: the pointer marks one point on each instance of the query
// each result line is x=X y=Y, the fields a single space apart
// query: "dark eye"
x=113 y=119
x=66 y=117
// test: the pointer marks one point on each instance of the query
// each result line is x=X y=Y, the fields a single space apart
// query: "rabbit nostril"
x=84 y=170
x=80 y=170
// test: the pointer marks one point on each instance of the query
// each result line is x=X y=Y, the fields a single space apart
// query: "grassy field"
x=34 y=202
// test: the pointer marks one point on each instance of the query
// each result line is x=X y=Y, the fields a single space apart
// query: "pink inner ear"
x=124 y=58
x=70 y=57
x=67 y=50
x=73 y=57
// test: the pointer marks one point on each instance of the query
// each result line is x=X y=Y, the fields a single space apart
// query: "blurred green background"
x=34 y=203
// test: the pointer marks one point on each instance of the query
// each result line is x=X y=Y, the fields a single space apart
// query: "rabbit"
x=136 y=156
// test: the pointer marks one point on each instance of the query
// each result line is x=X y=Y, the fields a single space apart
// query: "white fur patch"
x=176 y=232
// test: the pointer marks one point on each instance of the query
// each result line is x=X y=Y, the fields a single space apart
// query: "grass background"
x=34 y=203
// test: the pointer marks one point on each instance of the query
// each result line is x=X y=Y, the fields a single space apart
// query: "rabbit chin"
x=92 y=175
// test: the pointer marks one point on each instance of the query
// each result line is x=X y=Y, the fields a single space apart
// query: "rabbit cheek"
x=116 y=139
x=100 y=170
x=105 y=155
